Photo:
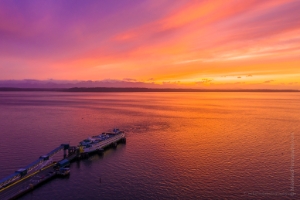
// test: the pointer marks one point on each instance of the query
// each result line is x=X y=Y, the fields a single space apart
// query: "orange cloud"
x=199 y=43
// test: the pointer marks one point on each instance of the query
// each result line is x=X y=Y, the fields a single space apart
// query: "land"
x=113 y=89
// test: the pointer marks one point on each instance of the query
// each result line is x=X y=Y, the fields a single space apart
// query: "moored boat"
x=101 y=141
x=64 y=171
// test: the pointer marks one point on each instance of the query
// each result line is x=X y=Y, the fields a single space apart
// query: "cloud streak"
x=158 y=41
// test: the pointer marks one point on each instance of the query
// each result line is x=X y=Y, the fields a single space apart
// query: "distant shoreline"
x=107 y=89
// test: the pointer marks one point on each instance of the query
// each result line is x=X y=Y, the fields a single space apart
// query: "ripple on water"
x=179 y=145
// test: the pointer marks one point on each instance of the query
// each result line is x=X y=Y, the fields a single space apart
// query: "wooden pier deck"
x=15 y=186
x=28 y=183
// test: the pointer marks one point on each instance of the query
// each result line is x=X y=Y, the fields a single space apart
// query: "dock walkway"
x=27 y=183
x=40 y=171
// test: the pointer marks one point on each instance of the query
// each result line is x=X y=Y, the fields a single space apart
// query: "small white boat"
x=101 y=141
x=63 y=171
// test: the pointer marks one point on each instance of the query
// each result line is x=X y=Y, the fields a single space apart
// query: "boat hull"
x=104 y=143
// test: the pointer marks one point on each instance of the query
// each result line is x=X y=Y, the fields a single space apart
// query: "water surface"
x=179 y=145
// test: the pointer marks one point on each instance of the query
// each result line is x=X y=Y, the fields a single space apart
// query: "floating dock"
x=40 y=171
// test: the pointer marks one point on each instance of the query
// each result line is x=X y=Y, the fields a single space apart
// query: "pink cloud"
x=159 y=41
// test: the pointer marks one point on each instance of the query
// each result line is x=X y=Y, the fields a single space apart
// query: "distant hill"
x=113 y=89
x=109 y=85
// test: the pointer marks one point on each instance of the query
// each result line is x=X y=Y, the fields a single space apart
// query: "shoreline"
x=108 y=89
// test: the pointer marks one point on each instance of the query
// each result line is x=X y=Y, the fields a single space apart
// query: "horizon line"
x=138 y=89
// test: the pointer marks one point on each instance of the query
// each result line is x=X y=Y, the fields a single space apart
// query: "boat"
x=64 y=171
x=99 y=142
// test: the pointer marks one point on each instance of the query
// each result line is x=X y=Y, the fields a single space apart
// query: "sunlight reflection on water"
x=179 y=145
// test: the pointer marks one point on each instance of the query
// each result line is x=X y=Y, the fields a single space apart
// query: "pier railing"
x=32 y=167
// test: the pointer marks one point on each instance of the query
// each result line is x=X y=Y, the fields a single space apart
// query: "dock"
x=41 y=171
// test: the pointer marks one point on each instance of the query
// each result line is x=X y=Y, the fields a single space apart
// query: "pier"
x=42 y=170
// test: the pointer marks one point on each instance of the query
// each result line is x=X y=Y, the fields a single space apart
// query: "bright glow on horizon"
x=199 y=44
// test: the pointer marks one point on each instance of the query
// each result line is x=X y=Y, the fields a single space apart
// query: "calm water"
x=179 y=145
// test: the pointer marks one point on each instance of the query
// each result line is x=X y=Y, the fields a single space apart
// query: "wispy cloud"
x=151 y=40
x=268 y=81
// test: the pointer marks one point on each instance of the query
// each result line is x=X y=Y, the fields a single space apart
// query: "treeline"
x=111 y=89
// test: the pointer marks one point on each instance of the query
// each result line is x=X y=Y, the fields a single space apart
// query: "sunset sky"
x=195 y=44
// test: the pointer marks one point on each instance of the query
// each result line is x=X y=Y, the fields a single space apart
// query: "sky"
x=179 y=44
